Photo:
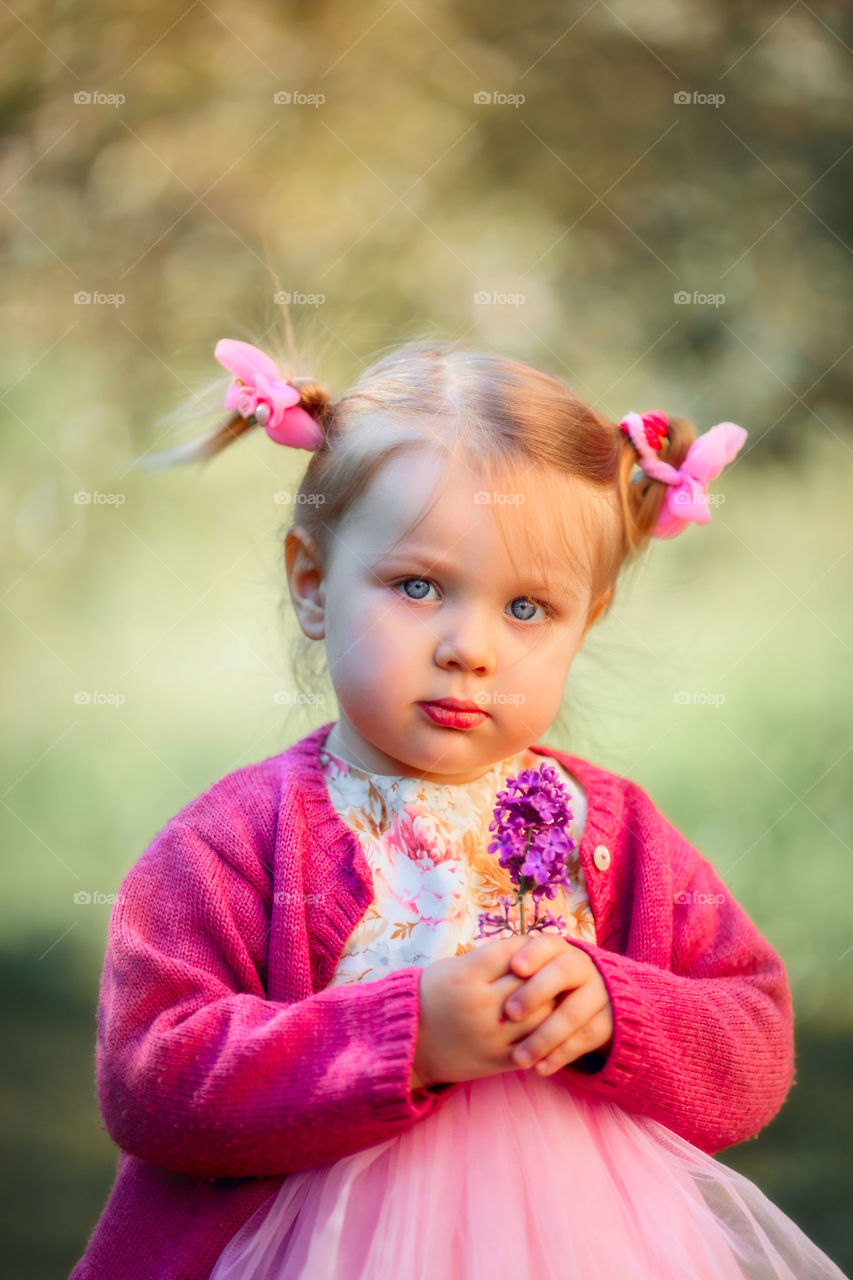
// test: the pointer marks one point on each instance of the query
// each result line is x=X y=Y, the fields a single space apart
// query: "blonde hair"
x=503 y=417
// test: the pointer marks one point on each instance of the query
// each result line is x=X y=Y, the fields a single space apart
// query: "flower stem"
x=524 y=882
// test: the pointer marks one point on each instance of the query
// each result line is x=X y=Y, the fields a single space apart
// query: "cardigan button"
x=601 y=857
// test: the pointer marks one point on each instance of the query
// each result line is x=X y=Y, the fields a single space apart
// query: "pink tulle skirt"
x=515 y=1177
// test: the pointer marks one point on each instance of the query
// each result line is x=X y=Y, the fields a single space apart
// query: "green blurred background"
x=651 y=201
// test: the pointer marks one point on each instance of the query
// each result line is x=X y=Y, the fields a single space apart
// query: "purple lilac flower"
x=531 y=818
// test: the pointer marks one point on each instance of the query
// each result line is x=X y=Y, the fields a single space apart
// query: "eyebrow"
x=443 y=566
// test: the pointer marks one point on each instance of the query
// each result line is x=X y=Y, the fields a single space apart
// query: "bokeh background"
x=651 y=201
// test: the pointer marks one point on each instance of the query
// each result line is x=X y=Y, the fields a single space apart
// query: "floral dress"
x=427 y=846
x=514 y=1177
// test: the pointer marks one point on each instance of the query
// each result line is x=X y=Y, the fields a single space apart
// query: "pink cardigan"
x=224 y=1061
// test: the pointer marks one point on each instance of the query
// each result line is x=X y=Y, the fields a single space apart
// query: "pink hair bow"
x=259 y=391
x=686 y=499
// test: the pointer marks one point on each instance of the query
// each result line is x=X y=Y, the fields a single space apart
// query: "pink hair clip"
x=258 y=391
x=686 y=499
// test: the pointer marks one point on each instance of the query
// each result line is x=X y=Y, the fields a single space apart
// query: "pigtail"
x=641 y=495
x=313 y=398
x=200 y=450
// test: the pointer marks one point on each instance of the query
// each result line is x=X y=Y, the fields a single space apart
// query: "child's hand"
x=583 y=1018
x=461 y=1035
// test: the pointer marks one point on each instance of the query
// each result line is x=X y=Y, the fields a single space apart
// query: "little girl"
x=315 y=1062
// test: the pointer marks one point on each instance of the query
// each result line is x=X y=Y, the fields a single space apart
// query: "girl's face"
x=442 y=615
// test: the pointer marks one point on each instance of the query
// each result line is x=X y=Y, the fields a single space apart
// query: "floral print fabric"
x=427 y=846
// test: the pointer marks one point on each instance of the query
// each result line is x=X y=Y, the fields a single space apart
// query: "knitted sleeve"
x=706 y=1045
x=197 y=1070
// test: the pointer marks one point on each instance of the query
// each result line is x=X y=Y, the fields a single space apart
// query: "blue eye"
x=423 y=582
x=424 y=586
x=530 y=602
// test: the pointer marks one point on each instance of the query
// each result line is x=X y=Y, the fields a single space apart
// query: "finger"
x=595 y=1034
x=491 y=959
x=572 y=1014
x=502 y=989
x=515 y=1030
x=566 y=971
x=536 y=952
x=509 y=984
x=506 y=987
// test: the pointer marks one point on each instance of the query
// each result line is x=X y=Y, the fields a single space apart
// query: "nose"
x=464 y=642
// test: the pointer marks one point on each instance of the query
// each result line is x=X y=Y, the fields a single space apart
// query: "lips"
x=453 y=704
x=451 y=713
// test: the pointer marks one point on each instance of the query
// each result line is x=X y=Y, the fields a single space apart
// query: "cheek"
x=545 y=670
x=370 y=633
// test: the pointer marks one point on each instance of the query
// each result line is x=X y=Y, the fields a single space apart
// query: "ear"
x=304 y=569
